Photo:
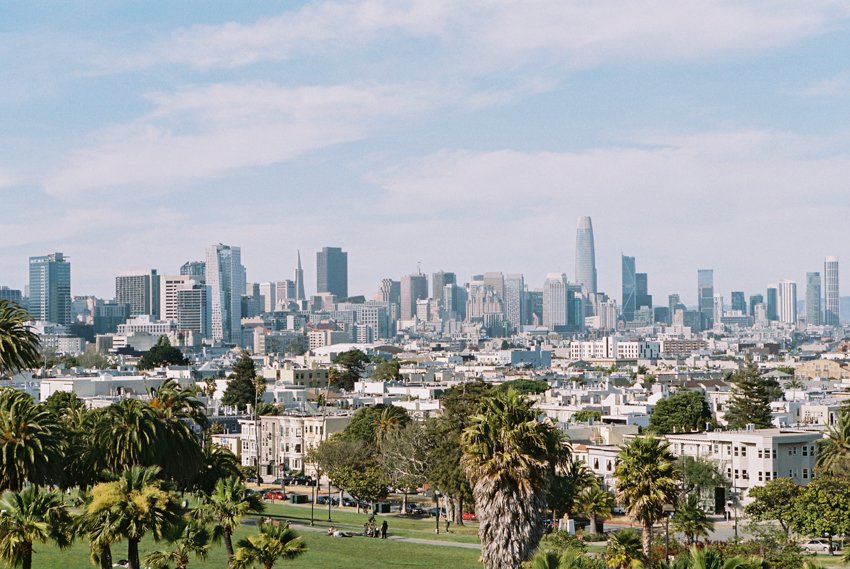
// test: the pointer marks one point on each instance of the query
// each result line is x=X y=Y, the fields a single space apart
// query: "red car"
x=469 y=516
x=274 y=495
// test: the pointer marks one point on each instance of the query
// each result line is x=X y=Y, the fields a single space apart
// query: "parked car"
x=469 y=516
x=274 y=495
x=820 y=545
x=433 y=512
x=324 y=499
x=303 y=481
x=351 y=502
x=414 y=509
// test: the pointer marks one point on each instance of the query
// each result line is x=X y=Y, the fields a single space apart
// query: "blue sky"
x=466 y=135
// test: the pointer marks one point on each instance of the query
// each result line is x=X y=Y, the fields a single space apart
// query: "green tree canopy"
x=370 y=425
x=31 y=445
x=775 y=501
x=352 y=362
x=162 y=354
x=586 y=415
x=684 y=411
x=387 y=370
x=822 y=508
x=241 y=388
x=751 y=398
x=525 y=386
x=19 y=344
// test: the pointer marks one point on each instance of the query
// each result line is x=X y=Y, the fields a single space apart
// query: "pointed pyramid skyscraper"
x=299 y=280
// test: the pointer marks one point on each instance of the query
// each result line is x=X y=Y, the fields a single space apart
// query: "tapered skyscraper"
x=585 y=256
x=226 y=277
x=830 y=300
x=299 y=281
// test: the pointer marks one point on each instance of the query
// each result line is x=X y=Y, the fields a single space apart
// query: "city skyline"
x=706 y=136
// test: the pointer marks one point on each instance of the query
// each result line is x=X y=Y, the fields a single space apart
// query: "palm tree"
x=30 y=445
x=692 y=520
x=834 y=449
x=794 y=385
x=102 y=531
x=710 y=558
x=645 y=482
x=140 y=506
x=217 y=463
x=126 y=435
x=31 y=516
x=272 y=543
x=18 y=342
x=596 y=504
x=388 y=421
x=190 y=539
x=226 y=507
x=546 y=559
x=624 y=550
x=174 y=403
x=510 y=458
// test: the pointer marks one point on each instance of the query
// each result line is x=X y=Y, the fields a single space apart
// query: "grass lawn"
x=349 y=520
x=323 y=552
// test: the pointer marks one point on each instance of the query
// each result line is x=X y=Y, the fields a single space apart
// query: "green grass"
x=347 y=519
x=323 y=552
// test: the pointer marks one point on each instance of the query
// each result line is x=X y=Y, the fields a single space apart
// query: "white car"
x=820 y=545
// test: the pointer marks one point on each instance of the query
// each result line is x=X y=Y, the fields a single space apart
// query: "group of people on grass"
x=370 y=529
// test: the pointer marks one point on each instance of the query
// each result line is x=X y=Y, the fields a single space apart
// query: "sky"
x=465 y=135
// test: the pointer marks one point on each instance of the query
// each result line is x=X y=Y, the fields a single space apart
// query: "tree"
x=587 y=415
x=525 y=386
x=241 y=388
x=684 y=411
x=162 y=354
x=60 y=403
x=272 y=543
x=226 y=507
x=217 y=463
x=692 y=520
x=31 y=516
x=751 y=398
x=126 y=435
x=700 y=475
x=102 y=530
x=596 y=504
x=645 y=482
x=19 y=344
x=571 y=477
x=353 y=363
x=350 y=465
x=367 y=482
x=775 y=501
x=710 y=558
x=406 y=457
x=30 y=443
x=624 y=549
x=822 y=508
x=510 y=458
x=388 y=370
x=834 y=449
x=140 y=506
x=370 y=425
x=187 y=539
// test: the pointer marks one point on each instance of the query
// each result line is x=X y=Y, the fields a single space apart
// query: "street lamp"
x=667 y=511
x=437 y=511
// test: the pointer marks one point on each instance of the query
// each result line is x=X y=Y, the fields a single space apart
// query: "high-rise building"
x=389 y=291
x=514 y=296
x=772 y=307
x=12 y=294
x=50 y=288
x=705 y=293
x=226 y=279
x=717 y=313
x=454 y=301
x=268 y=296
x=168 y=287
x=195 y=269
x=107 y=316
x=739 y=301
x=629 y=287
x=496 y=281
x=585 y=256
x=193 y=309
x=786 y=301
x=332 y=272
x=555 y=305
x=831 y=303
x=299 y=281
x=814 y=312
x=755 y=300
x=140 y=291
x=439 y=280
x=413 y=288
x=642 y=297
x=285 y=290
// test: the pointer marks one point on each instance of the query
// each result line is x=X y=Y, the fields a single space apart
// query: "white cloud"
x=500 y=34
x=835 y=86
x=201 y=132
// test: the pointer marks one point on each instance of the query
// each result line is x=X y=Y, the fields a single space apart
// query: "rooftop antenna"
x=419 y=267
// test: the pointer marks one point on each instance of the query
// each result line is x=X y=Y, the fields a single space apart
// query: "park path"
x=417 y=540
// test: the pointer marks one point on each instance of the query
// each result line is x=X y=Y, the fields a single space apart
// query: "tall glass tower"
x=830 y=281
x=585 y=256
x=226 y=279
x=50 y=288
x=332 y=271
x=814 y=313
x=629 y=279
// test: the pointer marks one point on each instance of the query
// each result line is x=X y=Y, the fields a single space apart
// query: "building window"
x=736 y=474
x=805 y=450
x=745 y=475
x=774 y=475
x=774 y=455
x=760 y=453
x=735 y=450
x=761 y=475
x=805 y=474
x=743 y=451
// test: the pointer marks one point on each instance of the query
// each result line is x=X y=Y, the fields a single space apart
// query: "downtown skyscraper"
x=830 y=282
x=225 y=277
x=299 y=281
x=332 y=272
x=50 y=288
x=585 y=256
x=629 y=287
x=705 y=294
x=814 y=313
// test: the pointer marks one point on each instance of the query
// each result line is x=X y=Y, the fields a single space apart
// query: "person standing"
x=384 y=529
x=448 y=523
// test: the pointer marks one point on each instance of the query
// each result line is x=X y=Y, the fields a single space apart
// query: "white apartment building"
x=285 y=439
x=614 y=347
x=749 y=458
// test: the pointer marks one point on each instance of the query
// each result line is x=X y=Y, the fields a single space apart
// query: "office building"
x=755 y=300
x=786 y=301
x=50 y=288
x=454 y=302
x=268 y=296
x=705 y=294
x=140 y=291
x=514 y=296
x=585 y=256
x=285 y=291
x=717 y=313
x=168 y=287
x=642 y=297
x=739 y=301
x=389 y=291
x=831 y=292
x=108 y=316
x=814 y=311
x=12 y=294
x=439 y=280
x=772 y=303
x=299 y=281
x=413 y=288
x=496 y=281
x=629 y=287
x=555 y=304
x=193 y=309
x=195 y=269
x=226 y=279
x=332 y=272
